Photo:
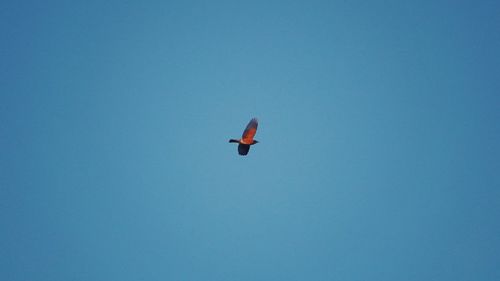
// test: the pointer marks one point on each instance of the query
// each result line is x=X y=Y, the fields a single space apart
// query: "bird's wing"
x=243 y=149
x=250 y=131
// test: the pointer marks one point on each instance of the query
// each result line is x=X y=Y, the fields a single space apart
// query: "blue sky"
x=378 y=153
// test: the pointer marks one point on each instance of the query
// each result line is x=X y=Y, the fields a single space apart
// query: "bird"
x=247 y=138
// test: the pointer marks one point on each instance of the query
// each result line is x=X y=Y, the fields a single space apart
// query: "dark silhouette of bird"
x=247 y=138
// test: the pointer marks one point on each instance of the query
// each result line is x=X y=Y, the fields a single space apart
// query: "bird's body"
x=247 y=138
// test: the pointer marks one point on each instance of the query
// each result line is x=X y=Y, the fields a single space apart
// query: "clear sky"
x=378 y=156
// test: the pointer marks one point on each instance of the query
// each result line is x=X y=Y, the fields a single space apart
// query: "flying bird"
x=247 y=138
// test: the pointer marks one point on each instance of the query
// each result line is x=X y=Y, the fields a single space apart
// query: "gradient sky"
x=379 y=140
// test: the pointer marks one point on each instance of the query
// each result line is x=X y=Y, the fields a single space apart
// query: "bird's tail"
x=233 y=140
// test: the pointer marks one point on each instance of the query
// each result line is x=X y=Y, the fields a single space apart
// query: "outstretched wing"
x=243 y=149
x=250 y=131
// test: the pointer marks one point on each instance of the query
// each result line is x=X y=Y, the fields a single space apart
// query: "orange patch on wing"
x=248 y=136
